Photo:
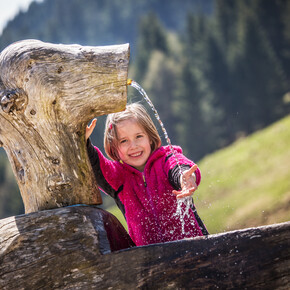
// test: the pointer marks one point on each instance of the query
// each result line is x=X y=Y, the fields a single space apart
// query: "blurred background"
x=218 y=73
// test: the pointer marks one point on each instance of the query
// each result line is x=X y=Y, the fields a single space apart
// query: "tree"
x=152 y=37
x=199 y=112
x=257 y=76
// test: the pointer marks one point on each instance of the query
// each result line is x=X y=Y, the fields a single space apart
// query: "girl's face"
x=133 y=143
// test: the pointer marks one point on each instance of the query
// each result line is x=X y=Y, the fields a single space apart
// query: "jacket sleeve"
x=108 y=175
x=173 y=170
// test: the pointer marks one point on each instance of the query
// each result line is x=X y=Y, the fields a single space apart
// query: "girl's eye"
x=123 y=141
x=139 y=136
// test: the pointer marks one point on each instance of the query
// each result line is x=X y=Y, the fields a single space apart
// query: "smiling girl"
x=144 y=178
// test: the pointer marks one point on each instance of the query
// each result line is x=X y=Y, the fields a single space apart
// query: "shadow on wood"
x=68 y=248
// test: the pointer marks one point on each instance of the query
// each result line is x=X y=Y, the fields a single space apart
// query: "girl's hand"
x=90 y=128
x=188 y=184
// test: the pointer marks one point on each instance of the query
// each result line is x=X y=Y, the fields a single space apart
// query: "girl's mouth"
x=136 y=154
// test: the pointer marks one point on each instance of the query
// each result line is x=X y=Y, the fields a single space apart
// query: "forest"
x=216 y=70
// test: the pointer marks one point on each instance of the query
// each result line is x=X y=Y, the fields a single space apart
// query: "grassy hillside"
x=246 y=184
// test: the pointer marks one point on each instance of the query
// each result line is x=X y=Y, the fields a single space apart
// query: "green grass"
x=246 y=184
x=117 y=213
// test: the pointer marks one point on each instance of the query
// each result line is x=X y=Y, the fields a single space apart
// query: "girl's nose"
x=133 y=144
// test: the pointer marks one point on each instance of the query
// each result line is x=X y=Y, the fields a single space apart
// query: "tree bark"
x=69 y=248
x=48 y=94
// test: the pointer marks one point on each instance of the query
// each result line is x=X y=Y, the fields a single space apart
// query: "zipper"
x=144 y=179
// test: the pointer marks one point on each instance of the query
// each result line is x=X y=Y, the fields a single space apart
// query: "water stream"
x=187 y=201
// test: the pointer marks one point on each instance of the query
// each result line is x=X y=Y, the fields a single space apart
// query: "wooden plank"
x=68 y=248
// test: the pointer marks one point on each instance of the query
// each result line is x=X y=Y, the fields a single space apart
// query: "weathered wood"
x=67 y=249
x=46 y=249
x=48 y=94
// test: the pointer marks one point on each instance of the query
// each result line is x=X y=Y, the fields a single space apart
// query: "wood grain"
x=48 y=94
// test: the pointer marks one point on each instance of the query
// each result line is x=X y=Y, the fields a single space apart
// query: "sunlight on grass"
x=248 y=183
x=118 y=214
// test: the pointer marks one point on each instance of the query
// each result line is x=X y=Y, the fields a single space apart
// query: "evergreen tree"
x=152 y=37
x=273 y=17
x=160 y=83
x=258 y=82
x=196 y=102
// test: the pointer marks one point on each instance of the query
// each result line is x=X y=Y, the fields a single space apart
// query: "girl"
x=144 y=178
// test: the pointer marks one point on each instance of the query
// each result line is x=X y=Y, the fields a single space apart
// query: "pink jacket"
x=146 y=198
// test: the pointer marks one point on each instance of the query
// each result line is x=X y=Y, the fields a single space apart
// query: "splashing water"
x=187 y=201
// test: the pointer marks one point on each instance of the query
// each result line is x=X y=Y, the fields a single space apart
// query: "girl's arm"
x=184 y=183
x=107 y=173
x=105 y=170
x=90 y=128
x=188 y=184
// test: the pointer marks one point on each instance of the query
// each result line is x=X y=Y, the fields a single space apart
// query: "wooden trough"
x=48 y=94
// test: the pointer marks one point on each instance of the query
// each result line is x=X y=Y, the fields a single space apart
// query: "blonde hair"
x=137 y=112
